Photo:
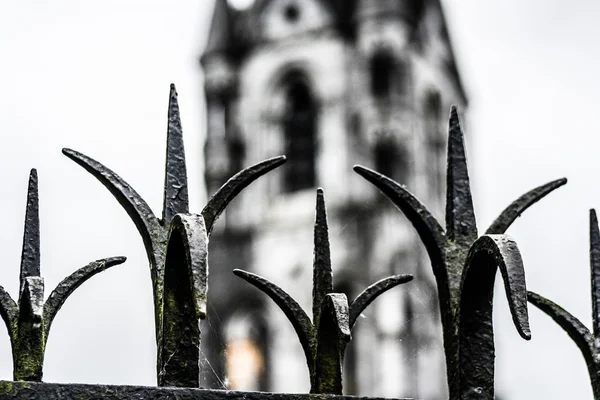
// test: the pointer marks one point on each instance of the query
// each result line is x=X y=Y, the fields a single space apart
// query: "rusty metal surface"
x=324 y=339
x=465 y=266
x=476 y=343
x=28 y=321
x=449 y=249
x=177 y=370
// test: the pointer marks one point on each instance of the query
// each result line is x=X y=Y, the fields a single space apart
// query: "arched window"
x=435 y=142
x=299 y=130
x=382 y=67
x=388 y=76
x=236 y=150
x=391 y=160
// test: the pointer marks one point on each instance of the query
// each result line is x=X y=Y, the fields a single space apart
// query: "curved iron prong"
x=584 y=339
x=9 y=311
x=233 y=187
x=476 y=348
x=581 y=335
x=68 y=285
x=333 y=333
x=195 y=248
x=368 y=295
x=431 y=233
x=292 y=310
x=518 y=207
x=176 y=186
x=135 y=206
x=595 y=271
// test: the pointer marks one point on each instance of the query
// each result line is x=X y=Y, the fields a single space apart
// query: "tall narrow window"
x=299 y=129
x=382 y=71
x=435 y=142
x=236 y=147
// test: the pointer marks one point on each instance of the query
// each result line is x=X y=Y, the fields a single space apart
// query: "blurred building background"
x=94 y=76
x=329 y=84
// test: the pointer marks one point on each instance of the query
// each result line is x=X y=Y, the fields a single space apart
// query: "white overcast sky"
x=94 y=76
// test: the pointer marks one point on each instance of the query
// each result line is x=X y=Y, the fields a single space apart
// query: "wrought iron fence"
x=464 y=264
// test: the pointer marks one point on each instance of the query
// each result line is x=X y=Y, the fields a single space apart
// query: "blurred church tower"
x=330 y=84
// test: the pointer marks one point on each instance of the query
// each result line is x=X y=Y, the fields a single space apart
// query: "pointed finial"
x=30 y=255
x=595 y=270
x=176 y=189
x=460 y=216
x=322 y=275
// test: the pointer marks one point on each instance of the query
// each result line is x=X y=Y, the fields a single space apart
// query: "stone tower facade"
x=330 y=84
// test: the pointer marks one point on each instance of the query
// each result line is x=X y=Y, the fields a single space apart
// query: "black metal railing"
x=464 y=264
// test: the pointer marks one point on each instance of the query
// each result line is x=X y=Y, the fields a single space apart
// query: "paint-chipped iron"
x=465 y=266
x=176 y=311
x=455 y=257
x=28 y=321
x=324 y=339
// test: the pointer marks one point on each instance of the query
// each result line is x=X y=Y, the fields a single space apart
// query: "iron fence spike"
x=154 y=232
x=461 y=227
x=30 y=255
x=322 y=273
x=176 y=185
x=448 y=250
x=595 y=272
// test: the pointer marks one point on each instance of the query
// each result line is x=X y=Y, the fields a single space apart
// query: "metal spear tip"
x=595 y=271
x=30 y=254
x=594 y=236
x=320 y=204
x=454 y=121
x=173 y=104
